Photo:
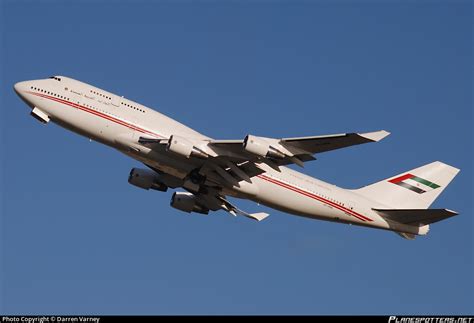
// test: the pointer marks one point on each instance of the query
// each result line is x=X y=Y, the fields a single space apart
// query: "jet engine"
x=184 y=147
x=261 y=147
x=187 y=202
x=146 y=179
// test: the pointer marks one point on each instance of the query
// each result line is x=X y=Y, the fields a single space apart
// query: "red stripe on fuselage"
x=97 y=113
x=271 y=180
x=315 y=197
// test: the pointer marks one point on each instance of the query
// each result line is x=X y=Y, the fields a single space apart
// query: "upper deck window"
x=56 y=78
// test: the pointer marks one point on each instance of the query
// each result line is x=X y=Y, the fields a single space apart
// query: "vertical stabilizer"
x=414 y=189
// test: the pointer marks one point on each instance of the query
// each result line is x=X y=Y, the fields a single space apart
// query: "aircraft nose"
x=20 y=88
x=16 y=87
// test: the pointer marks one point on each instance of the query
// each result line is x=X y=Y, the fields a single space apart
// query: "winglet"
x=375 y=136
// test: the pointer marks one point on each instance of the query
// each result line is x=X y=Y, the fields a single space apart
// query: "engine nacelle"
x=261 y=147
x=187 y=202
x=184 y=147
x=146 y=179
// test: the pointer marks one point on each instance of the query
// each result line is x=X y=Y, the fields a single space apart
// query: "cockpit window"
x=56 y=78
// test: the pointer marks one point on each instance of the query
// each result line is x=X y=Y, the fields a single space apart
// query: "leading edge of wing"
x=371 y=136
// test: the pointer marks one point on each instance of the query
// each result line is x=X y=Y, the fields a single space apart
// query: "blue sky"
x=77 y=238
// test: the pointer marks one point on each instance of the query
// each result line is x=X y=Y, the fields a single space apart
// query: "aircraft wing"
x=319 y=144
x=295 y=150
x=228 y=162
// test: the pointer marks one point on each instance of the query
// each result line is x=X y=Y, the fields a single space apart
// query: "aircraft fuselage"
x=118 y=122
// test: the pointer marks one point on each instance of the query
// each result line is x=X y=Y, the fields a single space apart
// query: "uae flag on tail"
x=414 y=183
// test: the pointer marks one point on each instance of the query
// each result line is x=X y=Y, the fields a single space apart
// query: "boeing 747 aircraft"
x=252 y=168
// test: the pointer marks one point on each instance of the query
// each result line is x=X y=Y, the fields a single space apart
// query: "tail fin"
x=415 y=189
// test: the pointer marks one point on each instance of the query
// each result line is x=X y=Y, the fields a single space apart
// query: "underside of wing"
x=198 y=198
x=319 y=144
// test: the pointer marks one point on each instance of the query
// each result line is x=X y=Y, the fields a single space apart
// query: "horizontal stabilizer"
x=416 y=217
x=257 y=216
x=232 y=209
x=408 y=236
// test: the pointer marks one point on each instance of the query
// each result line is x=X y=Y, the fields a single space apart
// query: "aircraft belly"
x=81 y=123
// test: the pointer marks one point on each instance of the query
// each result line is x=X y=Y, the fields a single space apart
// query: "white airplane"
x=251 y=168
